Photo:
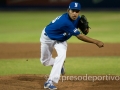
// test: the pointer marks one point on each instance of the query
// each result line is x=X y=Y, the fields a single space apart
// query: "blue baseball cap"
x=75 y=5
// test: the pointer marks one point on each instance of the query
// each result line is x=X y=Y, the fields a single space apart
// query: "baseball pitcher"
x=55 y=35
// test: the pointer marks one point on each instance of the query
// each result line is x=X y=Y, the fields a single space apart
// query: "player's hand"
x=100 y=44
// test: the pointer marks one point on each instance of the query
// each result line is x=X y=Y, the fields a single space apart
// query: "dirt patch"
x=32 y=50
x=35 y=82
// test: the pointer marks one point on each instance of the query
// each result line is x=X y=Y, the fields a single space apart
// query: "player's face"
x=73 y=14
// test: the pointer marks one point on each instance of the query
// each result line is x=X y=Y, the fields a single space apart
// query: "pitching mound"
x=35 y=82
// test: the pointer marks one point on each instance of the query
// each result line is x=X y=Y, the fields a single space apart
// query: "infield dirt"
x=35 y=82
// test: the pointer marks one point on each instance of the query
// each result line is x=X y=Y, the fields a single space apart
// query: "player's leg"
x=46 y=55
x=61 y=49
x=46 y=50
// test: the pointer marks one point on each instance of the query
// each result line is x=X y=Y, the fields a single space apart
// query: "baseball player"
x=55 y=35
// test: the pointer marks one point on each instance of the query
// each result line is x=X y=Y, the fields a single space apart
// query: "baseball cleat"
x=63 y=70
x=49 y=85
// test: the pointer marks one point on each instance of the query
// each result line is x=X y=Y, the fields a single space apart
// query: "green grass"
x=74 y=66
x=22 y=66
x=93 y=65
x=26 y=26
x=23 y=26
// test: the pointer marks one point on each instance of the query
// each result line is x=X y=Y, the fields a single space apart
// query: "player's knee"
x=45 y=64
x=44 y=61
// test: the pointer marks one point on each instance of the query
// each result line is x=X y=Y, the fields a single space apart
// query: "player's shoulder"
x=61 y=20
x=65 y=18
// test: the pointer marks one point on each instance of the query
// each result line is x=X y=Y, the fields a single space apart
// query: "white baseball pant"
x=46 y=59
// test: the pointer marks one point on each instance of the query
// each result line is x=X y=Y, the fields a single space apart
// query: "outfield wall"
x=100 y=3
x=52 y=4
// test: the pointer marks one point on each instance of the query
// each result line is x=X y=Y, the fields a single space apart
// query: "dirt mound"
x=36 y=82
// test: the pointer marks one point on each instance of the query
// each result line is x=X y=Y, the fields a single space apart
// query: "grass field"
x=74 y=66
x=25 y=27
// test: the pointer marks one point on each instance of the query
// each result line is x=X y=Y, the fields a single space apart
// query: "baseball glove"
x=83 y=25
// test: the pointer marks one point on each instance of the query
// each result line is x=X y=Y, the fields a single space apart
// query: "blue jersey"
x=62 y=28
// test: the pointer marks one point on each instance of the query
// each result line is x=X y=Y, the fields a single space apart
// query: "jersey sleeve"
x=76 y=32
x=70 y=28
